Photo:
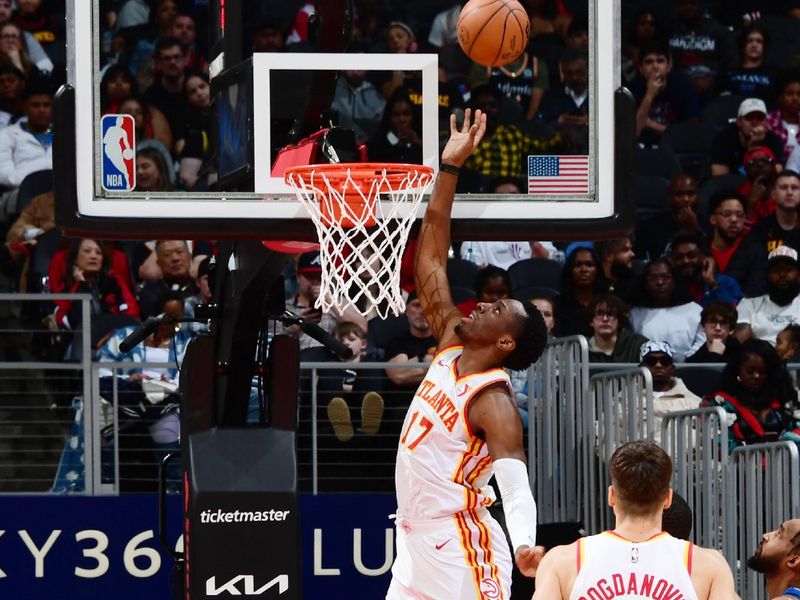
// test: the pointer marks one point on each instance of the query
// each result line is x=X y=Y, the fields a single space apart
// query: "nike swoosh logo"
x=442 y=545
x=440 y=363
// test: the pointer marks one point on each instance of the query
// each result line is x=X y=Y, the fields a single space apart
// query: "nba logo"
x=119 y=153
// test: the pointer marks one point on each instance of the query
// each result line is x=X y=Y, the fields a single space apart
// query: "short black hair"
x=490 y=272
x=787 y=173
x=657 y=46
x=167 y=42
x=531 y=339
x=168 y=296
x=721 y=197
x=678 y=520
x=684 y=237
x=571 y=55
x=794 y=333
x=785 y=78
x=39 y=85
x=722 y=309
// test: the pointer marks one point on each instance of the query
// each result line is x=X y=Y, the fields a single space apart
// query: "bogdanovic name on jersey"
x=633 y=585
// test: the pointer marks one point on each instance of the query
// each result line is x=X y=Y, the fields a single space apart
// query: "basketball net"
x=363 y=214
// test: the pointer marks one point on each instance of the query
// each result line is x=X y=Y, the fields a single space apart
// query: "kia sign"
x=248 y=588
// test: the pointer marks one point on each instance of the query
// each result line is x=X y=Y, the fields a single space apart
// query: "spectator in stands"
x=166 y=93
x=38 y=217
x=269 y=36
x=148 y=422
x=400 y=39
x=203 y=295
x=133 y=13
x=504 y=148
x=663 y=96
x=581 y=279
x=88 y=272
x=184 y=28
x=196 y=148
x=309 y=273
x=443 y=29
x=397 y=139
x=765 y=316
x=778 y=558
x=663 y=310
x=26 y=146
x=418 y=345
x=787 y=344
x=612 y=342
x=781 y=227
x=549 y=20
x=761 y=168
x=644 y=26
x=616 y=259
x=547 y=309
x=577 y=34
x=12 y=88
x=653 y=236
x=14 y=51
x=731 y=143
x=752 y=79
x=300 y=29
x=568 y=105
x=718 y=321
x=702 y=46
x=670 y=394
x=174 y=260
x=491 y=284
x=757 y=391
x=37 y=54
x=149 y=123
x=734 y=254
x=152 y=171
x=33 y=17
x=115 y=87
x=141 y=59
x=785 y=120
x=348 y=386
x=694 y=269
x=359 y=105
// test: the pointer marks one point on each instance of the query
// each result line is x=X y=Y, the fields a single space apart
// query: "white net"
x=363 y=214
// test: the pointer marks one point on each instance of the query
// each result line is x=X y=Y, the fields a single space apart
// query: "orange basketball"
x=493 y=32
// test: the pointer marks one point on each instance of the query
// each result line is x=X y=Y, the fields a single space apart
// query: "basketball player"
x=778 y=558
x=463 y=426
x=637 y=559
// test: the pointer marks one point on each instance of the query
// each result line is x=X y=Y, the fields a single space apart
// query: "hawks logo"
x=490 y=588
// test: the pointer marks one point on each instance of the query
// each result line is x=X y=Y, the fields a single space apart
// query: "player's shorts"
x=463 y=556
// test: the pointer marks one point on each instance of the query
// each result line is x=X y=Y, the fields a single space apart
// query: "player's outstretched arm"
x=430 y=274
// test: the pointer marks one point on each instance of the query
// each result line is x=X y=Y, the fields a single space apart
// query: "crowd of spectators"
x=709 y=275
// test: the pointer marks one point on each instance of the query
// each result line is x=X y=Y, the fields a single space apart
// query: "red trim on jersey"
x=579 y=557
x=475 y=393
x=689 y=557
x=445 y=349
x=470 y=554
x=650 y=539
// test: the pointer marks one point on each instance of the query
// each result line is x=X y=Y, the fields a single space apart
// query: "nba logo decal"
x=119 y=153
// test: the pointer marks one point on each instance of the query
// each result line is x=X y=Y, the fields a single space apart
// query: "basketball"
x=127 y=154
x=493 y=32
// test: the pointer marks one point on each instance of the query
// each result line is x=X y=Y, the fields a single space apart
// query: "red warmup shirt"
x=723 y=257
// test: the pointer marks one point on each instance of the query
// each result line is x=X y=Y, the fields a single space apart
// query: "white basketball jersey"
x=442 y=468
x=610 y=566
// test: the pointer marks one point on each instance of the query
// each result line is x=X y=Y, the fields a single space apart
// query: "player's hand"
x=528 y=559
x=461 y=143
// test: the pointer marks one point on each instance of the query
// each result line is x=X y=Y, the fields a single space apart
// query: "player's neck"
x=778 y=582
x=638 y=529
x=474 y=361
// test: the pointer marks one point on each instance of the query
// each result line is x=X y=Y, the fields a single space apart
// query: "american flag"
x=558 y=175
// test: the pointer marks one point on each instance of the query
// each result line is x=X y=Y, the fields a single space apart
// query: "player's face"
x=775 y=547
x=491 y=321
x=787 y=192
x=90 y=257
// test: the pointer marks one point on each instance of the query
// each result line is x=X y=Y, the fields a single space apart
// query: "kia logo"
x=234 y=588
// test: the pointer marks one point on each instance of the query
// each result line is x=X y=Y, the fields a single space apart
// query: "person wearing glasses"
x=735 y=255
x=670 y=393
x=718 y=321
x=757 y=392
x=611 y=342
